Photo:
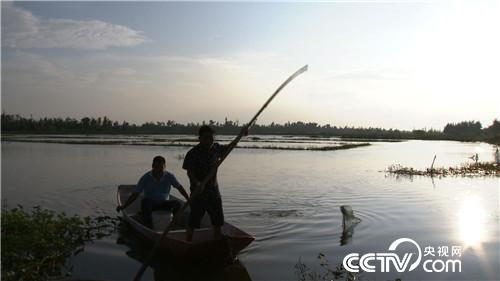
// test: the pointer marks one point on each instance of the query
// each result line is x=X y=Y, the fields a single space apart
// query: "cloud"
x=21 y=29
x=142 y=87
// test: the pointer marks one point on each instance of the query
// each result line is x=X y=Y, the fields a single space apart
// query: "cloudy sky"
x=389 y=64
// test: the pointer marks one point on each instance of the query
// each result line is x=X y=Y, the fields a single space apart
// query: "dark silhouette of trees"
x=492 y=133
x=466 y=131
x=469 y=130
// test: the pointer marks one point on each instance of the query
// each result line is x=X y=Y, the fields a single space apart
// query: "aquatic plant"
x=343 y=146
x=37 y=245
x=325 y=273
x=372 y=140
x=179 y=144
x=468 y=169
x=310 y=148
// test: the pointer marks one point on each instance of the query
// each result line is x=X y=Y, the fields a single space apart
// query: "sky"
x=391 y=64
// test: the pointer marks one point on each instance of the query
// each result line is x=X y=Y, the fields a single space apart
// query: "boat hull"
x=203 y=244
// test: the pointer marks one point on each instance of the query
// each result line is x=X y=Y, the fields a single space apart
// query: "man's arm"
x=183 y=192
x=178 y=186
x=189 y=166
x=129 y=201
x=193 y=179
x=135 y=193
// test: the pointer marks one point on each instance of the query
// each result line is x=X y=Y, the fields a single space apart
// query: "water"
x=289 y=200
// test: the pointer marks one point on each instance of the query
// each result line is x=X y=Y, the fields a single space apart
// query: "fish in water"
x=348 y=218
x=349 y=221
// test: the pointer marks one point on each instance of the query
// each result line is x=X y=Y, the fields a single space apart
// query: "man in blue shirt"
x=155 y=185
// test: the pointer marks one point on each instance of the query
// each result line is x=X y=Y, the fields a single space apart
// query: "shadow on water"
x=346 y=236
x=167 y=268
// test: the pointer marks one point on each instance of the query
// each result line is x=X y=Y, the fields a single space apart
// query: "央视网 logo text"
x=445 y=260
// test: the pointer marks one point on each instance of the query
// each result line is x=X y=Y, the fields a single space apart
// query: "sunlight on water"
x=478 y=149
x=472 y=223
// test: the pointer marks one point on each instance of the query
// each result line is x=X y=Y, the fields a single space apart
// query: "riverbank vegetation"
x=467 y=170
x=462 y=131
x=37 y=244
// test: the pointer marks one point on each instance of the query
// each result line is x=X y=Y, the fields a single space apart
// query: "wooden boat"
x=203 y=244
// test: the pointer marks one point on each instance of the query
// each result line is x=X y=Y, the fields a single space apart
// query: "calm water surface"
x=289 y=200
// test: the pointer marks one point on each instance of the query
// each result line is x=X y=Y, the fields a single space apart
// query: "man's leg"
x=169 y=205
x=176 y=206
x=217 y=232
x=216 y=216
x=195 y=216
x=189 y=233
x=147 y=211
x=148 y=206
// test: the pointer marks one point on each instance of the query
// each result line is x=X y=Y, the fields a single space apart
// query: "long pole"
x=213 y=171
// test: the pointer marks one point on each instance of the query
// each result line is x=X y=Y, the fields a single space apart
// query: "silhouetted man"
x=198 y=162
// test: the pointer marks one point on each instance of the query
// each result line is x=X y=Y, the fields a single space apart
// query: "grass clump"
x=37 y=245
x=181 y=143
x=466 y=170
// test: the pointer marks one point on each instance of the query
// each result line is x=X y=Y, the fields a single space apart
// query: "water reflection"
x=167 y=268
x=472 y=223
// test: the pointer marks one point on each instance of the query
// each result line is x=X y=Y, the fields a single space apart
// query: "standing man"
x=198 y=162
x=156 y=185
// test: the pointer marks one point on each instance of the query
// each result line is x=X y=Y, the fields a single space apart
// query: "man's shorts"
x=210 y=204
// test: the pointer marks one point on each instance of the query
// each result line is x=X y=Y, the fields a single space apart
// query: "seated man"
x=156 y=186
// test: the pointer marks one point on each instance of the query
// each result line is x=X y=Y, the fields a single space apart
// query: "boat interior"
x=161 y=219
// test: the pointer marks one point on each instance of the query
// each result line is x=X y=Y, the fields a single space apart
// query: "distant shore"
x=463 y=131
x=354 y=137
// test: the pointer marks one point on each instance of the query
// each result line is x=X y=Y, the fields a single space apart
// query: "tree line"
x=463 y=131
